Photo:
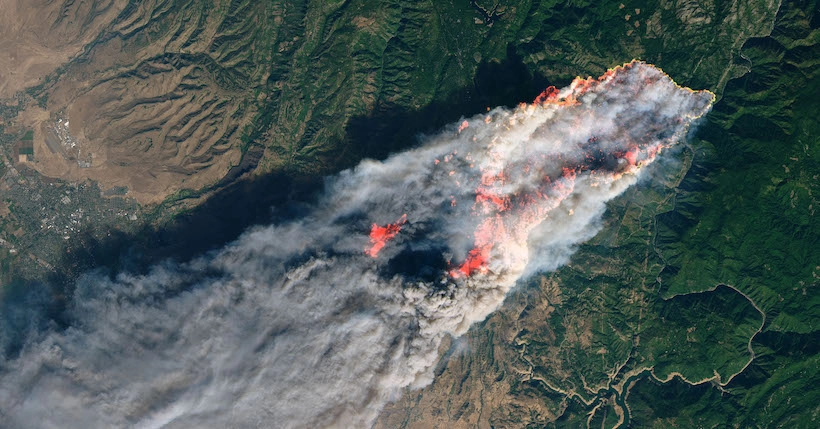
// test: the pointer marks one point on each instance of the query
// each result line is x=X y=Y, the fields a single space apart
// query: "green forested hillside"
x=698 y=303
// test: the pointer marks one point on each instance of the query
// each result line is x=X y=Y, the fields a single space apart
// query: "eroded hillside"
x=167 y=101
x=158 y=100
x=37 y=37
x=168 y=98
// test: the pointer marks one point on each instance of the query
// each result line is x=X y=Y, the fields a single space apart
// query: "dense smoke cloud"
x=319 y=321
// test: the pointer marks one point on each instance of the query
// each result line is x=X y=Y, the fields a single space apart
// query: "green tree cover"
x=746 y=216
x=644 y=293
x=330 y=82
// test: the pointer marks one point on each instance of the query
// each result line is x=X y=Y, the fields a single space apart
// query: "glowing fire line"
x=380 y=235
x=505 y=219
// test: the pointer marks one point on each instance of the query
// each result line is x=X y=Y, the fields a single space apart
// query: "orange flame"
x=549 y=94
x=506 y=215
x=380 y=235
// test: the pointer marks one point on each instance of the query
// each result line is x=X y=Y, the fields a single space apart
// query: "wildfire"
x=380 y=235
x=516 y=186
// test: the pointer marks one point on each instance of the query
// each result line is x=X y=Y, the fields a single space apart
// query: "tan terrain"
x=164 y=97
x=142 y=105
x=37 y=36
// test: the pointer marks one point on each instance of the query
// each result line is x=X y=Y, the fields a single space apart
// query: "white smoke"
x=293 y=325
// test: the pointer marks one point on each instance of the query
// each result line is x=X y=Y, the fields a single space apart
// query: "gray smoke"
x=295 y=325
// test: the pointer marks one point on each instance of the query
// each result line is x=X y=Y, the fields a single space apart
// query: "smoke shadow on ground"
x=239 y=205
x=389 y=129
x=278 y=197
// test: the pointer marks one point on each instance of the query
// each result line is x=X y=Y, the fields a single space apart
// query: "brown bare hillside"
x=163 y=97
x=156 y=103
x=37 y=36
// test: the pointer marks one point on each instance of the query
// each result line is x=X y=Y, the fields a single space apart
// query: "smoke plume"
x=318 y=322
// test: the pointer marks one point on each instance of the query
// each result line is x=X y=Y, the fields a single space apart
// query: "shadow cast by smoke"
x=389 y=128
x=30 y=305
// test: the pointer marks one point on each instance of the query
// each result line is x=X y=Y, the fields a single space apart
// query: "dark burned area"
x=423 y=263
